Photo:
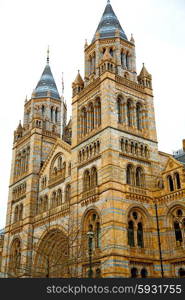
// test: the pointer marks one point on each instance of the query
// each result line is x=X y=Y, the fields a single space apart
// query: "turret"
x=145 y=78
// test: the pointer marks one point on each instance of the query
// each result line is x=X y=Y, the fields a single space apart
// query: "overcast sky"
x=28 y=27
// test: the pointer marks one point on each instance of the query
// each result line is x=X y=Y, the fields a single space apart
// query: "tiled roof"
x=109 y=25
x=46 y=85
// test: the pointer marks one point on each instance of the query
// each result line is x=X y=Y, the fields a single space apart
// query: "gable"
x=172 y=164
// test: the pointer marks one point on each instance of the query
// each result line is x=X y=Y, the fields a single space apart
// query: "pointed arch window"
x=129 y=114
x=140 y=235
x=86 y=181
x=119 y=110
x=59 y=197
x=16 y=213
x=170 y=183
x=94 y=177
x=131 y=234
x=56 y=115
x=177 y=180
x=51 y=114
x=68 y=193
x=178 y=233
x=139 y=177
x=129 y=174
x=138 y=116
x=122 y=59
x=43 y=110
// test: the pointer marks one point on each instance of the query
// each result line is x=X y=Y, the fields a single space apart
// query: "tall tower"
x=114 y=137
x=44 y=119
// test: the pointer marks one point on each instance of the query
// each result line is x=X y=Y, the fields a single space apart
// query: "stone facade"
x=94 y=198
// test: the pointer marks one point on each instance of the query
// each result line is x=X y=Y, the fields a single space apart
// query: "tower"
x=114 y=148
x=43 y=123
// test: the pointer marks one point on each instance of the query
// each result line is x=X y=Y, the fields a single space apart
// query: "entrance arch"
x=51 y=256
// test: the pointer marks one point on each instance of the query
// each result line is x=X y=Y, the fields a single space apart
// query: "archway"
x=52 y=256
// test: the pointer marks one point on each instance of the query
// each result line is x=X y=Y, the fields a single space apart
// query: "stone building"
x=94 y=197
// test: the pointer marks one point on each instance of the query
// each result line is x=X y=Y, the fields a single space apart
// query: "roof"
x=78 y=79
x=144 y=72
x=46 y=85
x=109 y=25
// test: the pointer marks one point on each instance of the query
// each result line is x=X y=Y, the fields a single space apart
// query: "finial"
x=48 y=55
x=108 y=1
x=26 y=99
x=143 y=64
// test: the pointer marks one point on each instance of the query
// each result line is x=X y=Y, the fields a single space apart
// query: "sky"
x=28 y=27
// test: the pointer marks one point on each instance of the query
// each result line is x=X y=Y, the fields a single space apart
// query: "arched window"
x=54 y=199
x=91 y=116
x=140 y=235
x=127 y=61
x=132 y=147
x=56 y=115
x=43 y=110
x=170 y=183
x=146 y=151
x=177 y=180
x=144 y=273
x=68 y=193
x=136 y=149
x=138 y=116
x=129 y=114
x=92 y=223
x=139 y=177
x=97 y=111
x=131 y=233
x=51 y=114
x=181 y=273
x=45 y=203
x=126 y=146
x=85 y=121
x=122 y=58
x=178 y=233
x=119 y=110
x=20 y=211
x=94 y=177
x=59 y=197
x=111 y=52
x=86 y=181
x=129 y=174
x=134 y=273
x=16 y=213
x=60 y=163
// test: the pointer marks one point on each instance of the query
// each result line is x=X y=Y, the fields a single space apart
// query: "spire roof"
x=144 y=72
x=46 y=85
x=78 y=79
x=109 y=25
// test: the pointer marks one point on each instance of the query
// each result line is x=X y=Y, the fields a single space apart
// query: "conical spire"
x=144 y=72
x=46 y=84
x=78 y=79
x=109 y=25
